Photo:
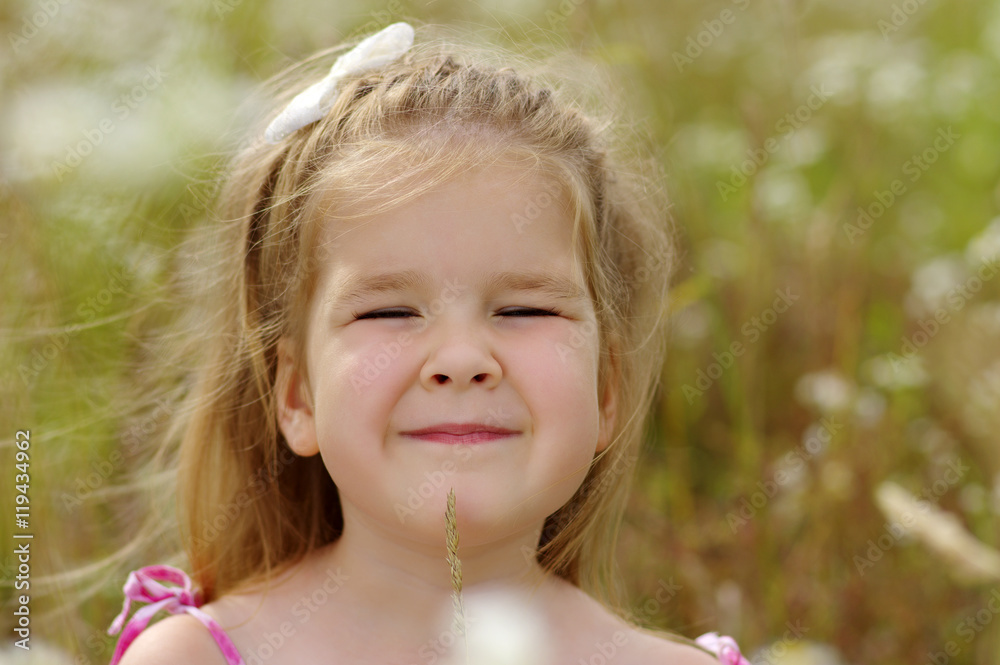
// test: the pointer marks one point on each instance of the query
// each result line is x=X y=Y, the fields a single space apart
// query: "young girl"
x=431 y=278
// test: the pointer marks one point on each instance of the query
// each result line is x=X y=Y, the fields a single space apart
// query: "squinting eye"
x=384 y=314
x=405 y=313
x=529 y=311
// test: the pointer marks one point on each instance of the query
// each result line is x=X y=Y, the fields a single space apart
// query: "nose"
x=461 y=358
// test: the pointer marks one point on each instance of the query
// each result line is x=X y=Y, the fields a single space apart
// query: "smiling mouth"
x=465 y=433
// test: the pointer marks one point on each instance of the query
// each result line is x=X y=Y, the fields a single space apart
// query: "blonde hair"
x=248 y=507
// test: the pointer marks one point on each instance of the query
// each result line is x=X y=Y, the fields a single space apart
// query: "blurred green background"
x=823 y=481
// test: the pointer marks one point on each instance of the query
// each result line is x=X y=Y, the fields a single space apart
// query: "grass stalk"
x=451 y=538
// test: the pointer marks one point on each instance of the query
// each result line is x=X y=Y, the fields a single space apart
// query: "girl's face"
x=464 y=307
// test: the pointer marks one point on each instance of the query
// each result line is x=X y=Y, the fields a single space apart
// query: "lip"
x=460 y=433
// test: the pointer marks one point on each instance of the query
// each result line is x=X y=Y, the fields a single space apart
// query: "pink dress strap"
x=724 y=647
x=142 y=586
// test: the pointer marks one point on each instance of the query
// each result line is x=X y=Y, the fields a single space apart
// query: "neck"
x=391 y=579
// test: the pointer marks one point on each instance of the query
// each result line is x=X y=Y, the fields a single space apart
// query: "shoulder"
x=179 y=638
x=654 y=647
x=626 y=643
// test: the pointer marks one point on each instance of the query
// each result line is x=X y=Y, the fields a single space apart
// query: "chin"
x=484 y=515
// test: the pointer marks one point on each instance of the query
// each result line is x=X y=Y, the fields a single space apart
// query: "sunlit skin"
x=455 y=347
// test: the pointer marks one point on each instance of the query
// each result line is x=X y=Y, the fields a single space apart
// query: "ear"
x=609 y=405
x=294 y=403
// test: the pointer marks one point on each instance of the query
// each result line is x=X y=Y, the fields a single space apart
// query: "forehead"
x=504 y=210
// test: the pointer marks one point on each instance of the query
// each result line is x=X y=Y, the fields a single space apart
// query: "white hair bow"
x=312 y=103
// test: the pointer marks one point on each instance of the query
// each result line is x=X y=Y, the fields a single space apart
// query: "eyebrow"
x=360 y=286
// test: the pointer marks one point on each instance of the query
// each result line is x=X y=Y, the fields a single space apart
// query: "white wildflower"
x=797 y=652
x=896 y=372
x=931 y=283
x=985 y=246
x=503 y=628
x=971 y=561
x=827 y=390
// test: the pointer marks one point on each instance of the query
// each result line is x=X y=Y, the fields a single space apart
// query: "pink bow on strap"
x=142 y=586
x=724 y=647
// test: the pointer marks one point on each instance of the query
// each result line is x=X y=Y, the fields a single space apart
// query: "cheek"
x=356 y=385
x=560 y=373
x=572 y=356
x=558 y=379
x=353 y=401
x=365 y=364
